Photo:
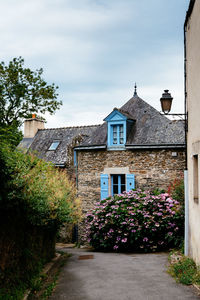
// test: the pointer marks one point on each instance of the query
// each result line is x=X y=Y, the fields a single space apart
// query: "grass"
x=15 y=289
x=44 y=285
x=40 y=285
x=14 y=294
x=49 y=289
x=184 y=269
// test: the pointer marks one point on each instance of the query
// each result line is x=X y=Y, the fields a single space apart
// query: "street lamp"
x=166 y=102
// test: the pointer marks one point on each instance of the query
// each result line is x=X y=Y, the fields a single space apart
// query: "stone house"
x=192 y=83
x=135 y=147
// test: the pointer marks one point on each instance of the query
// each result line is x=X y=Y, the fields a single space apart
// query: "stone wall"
x=155 y=168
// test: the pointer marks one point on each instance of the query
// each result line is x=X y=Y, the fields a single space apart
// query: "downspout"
x=75 y=234
x=185 y=96
x=76 y=167
x=186 y=234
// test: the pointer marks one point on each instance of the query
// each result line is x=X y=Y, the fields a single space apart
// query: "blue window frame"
x=117 y=124
x=118 y=184
x=117 y=134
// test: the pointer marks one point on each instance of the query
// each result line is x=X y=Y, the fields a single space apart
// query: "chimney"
x=31 y=126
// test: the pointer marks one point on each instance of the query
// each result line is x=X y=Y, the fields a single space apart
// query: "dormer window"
x=117 y=122
x=117 y=134
x=54 y=145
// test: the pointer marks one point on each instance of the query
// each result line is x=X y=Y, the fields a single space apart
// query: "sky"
x=95 y=51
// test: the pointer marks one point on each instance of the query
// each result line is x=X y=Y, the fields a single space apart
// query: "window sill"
x=116 y=148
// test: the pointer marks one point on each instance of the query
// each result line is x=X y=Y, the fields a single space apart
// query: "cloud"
x=95 y=50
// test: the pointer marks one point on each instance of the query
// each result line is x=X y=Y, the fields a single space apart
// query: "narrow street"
x=112 y=276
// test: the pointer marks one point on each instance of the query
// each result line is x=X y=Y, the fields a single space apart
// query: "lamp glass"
x=166 y=104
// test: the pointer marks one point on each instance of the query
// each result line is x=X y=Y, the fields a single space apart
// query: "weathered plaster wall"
x=193 y=106
x=157 y=168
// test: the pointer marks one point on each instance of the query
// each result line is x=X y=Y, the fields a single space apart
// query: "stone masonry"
x=152 y=169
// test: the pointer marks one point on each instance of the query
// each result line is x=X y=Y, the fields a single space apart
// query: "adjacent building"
x=192 y=96
x=55 y=144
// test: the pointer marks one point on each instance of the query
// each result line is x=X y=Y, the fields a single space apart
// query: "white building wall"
x=193 y=107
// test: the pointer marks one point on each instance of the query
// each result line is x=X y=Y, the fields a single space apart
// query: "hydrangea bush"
x=135 y=220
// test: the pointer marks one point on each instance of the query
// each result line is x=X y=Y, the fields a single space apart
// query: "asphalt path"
x=114 y=276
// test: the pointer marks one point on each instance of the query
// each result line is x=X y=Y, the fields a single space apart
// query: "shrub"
x=42 y=192
x=35 y=200
x=135 y=220
x=176 y=190
x=185 y=271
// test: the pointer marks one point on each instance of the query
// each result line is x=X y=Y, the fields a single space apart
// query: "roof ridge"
x=68 y=127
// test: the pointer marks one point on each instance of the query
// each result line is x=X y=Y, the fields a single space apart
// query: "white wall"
x=193 y=106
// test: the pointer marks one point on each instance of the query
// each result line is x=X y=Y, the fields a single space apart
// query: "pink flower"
x=169 y=200
x=145 y=239
x=159 y=214
x=115 y=247
x=124 y=240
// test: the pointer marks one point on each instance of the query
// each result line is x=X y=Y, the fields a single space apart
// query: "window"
x=195 y=178
x=116 y=130
x=117 y=184
x=54 y=145
x=117 y=134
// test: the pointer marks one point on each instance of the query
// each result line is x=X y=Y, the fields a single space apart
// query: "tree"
x=23 y=92
x=10 y=135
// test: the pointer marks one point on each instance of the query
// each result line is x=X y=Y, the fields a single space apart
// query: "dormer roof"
x=117 y=112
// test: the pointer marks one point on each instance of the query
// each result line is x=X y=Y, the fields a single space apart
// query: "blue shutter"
x=130 y=182
x=104 y=186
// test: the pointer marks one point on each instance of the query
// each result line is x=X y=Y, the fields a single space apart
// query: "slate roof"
x=150 y=128
x=44 y=138
x=25 y=143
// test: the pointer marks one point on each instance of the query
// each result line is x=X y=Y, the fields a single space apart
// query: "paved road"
x=113 y=276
